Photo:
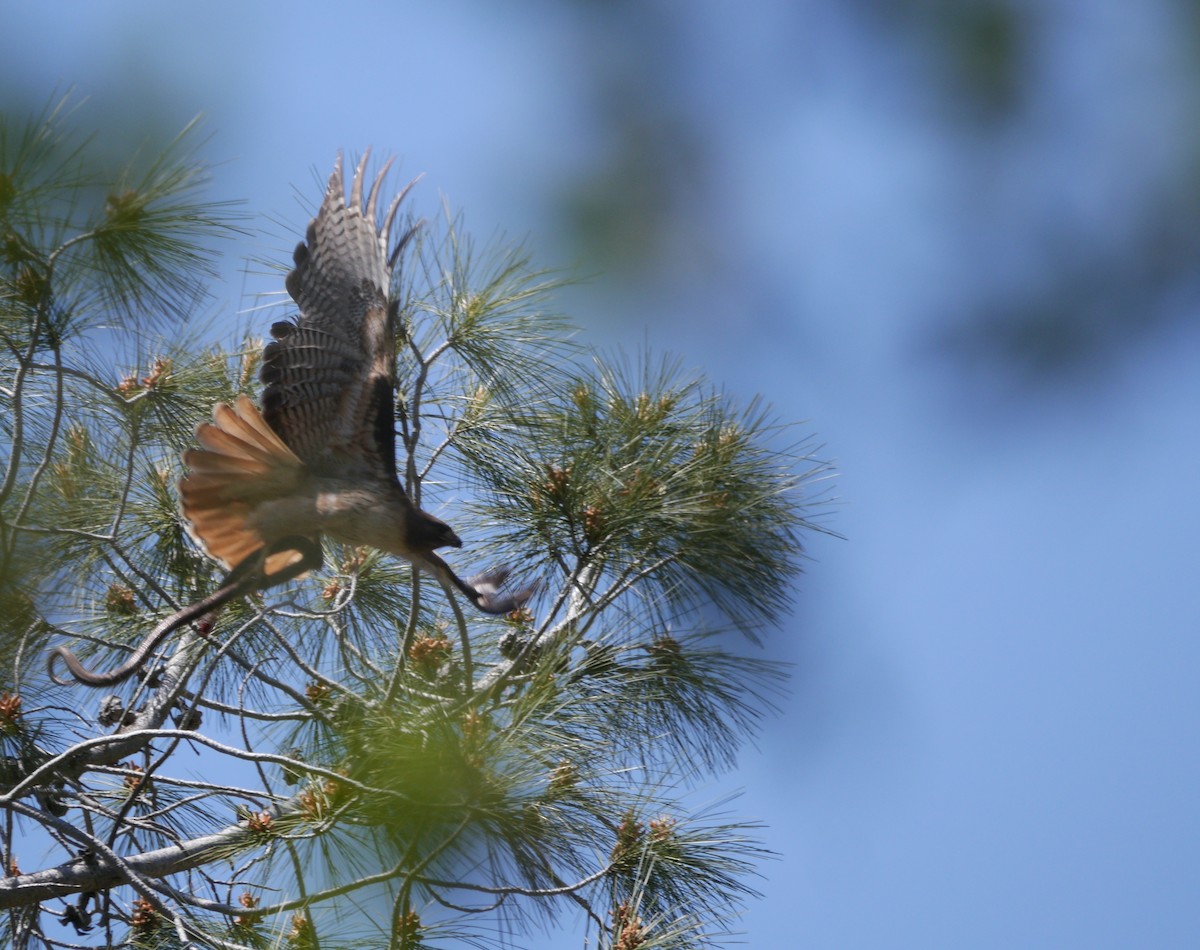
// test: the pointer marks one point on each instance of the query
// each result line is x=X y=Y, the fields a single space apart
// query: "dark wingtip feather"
x=335 y=184
x=373 y=196
x=356 y=186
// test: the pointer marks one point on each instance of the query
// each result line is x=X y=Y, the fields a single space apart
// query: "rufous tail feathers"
x=242 y=464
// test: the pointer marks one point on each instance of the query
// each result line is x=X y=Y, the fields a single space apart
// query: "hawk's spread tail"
x=242 y=464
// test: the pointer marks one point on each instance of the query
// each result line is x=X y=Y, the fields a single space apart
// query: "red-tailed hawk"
x=321 y=456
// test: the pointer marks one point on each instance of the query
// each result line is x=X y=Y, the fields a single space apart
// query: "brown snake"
x=244 y=578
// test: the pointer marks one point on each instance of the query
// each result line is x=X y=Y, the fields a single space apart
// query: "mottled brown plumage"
x=320 y=457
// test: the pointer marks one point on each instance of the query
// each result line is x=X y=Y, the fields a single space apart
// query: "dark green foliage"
x=641 y=475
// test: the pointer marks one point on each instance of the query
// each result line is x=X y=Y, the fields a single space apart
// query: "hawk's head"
x=425 y=532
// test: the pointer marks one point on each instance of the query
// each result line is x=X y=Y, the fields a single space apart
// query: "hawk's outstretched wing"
x=331 y=375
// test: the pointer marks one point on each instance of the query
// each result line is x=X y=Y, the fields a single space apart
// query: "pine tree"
x=351 y=760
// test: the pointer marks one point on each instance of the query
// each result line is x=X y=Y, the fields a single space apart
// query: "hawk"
x=320 y=458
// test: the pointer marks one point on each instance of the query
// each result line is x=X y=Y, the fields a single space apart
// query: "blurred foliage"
x=976 y=87
x=979 y=47
x=1090 y=313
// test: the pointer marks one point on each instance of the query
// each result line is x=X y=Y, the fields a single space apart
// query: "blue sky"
x=991 y=739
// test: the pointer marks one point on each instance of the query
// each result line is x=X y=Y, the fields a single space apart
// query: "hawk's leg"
x=483 y=590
